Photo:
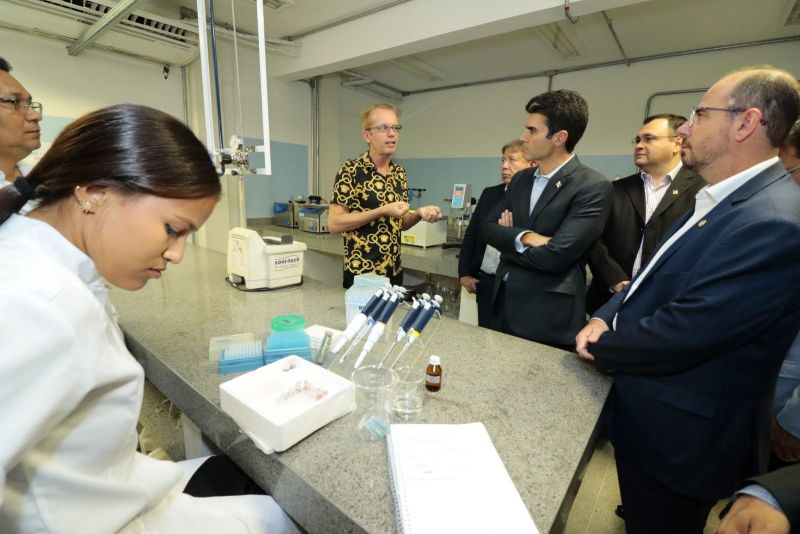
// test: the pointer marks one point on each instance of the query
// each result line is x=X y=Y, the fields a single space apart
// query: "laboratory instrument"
x=354 y=325
x=263 y=263
x=461 y=207
x=423 y=316
x=425 y=234
x=405 y=325
x=366 y=325
x=380 y=324
x=314 y=218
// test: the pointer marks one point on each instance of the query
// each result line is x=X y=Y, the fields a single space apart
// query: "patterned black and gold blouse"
x=374 y=247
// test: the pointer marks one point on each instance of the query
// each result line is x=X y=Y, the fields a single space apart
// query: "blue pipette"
x=428 y=311
x=371 y=317
x=380 y=324
x=404 y=327
x=358 y=321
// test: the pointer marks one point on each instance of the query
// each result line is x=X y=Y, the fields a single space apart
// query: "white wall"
x=289 y=102
x=475 y=121
x=71 y=86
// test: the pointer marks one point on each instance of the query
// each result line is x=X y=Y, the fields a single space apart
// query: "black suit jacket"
x=784 y=484
x=473 y=248
x=546 y=286
x=612 y=257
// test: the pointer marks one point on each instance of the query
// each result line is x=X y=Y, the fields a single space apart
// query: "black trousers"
x=220 y=477
x=483 y=297
x=348 y=278
x=652 y=508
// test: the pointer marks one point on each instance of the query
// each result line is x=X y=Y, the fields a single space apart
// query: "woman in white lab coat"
x=118 y=193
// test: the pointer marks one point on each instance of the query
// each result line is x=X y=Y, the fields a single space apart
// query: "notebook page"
x=449 y=478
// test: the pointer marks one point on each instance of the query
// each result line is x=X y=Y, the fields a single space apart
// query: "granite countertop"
x=430 y=260
x=540 y=405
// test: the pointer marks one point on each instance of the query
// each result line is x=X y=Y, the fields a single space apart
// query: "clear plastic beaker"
x=373 y=400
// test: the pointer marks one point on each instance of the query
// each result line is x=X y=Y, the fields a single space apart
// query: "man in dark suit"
x=552 y=217
x=477 y=263
x=645 y=206
x=696 y=339
x=767 y=504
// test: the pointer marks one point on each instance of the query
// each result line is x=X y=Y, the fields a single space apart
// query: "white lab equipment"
x=263 y=262
x=425 y=234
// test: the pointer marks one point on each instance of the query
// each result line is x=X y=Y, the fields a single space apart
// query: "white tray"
x=270 y=407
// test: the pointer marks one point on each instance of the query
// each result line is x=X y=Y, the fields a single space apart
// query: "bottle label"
x=431 y=379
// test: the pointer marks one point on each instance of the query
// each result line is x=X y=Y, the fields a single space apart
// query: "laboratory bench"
x=540 y=405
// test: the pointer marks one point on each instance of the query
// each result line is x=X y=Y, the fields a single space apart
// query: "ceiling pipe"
x=345 y=20
x=102 y=25
x=666 y=93
x=613 y=63
x=567 y=13
x=616 y=38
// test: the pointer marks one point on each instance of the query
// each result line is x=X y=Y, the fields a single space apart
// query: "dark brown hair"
x=793 y=138
x=673 y=121
x=563 y=110
x=134 y=149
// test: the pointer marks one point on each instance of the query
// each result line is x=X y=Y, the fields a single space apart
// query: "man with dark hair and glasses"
x=645 y=206
x=19 y=126
x=549 y=220
x=370 y=204
x=695 y=341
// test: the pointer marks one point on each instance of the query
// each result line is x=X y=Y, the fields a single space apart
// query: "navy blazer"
x=546 y=286
x=473 y=247
x=697 y=347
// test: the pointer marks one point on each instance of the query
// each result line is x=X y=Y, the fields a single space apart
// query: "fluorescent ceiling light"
x=793 y=18
x=277 y=5
x=418 y=67
x=558 y=40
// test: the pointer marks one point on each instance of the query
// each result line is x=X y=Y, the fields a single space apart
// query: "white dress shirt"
x=540 y=181
x=705 y=200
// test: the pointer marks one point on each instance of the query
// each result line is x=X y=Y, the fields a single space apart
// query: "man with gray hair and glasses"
x=695 y=341
x=19 y=126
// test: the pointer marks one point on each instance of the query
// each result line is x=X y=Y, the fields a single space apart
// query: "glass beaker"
x=374 y=391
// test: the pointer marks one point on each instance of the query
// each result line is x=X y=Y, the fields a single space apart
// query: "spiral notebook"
x=449 y=478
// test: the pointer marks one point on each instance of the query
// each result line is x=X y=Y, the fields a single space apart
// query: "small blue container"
x=287 y=336
x=240 y=357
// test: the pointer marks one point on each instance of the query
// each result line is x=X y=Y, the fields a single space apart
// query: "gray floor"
x=592 y=511
x=598 y=497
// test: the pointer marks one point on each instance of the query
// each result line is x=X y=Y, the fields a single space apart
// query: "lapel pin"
x=674 y=191
x=702 y=223
x=558 y=184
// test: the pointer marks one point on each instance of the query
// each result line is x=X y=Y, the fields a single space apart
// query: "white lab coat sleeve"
x=42 y=378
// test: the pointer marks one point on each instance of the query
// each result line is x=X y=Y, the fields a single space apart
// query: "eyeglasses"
x=384 y=128
x=699 y=110
x=648 y=139
x=23 y=106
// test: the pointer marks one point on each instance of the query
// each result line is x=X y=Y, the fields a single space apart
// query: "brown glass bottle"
x=433 y=374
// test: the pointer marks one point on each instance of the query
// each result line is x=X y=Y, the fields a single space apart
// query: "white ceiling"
x=644 y=29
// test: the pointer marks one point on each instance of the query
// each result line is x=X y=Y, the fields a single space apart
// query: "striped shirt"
x=652 y=198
